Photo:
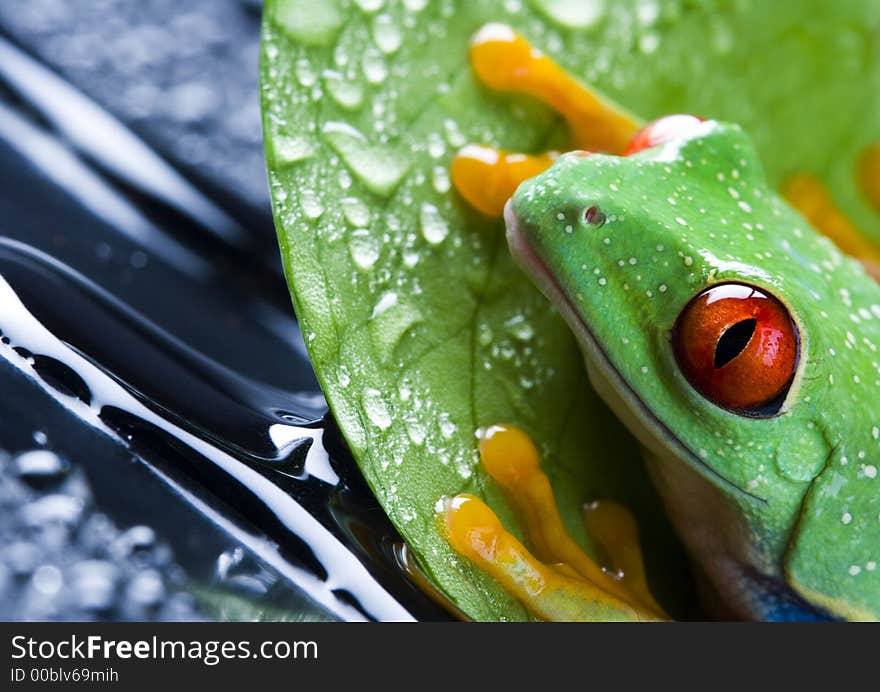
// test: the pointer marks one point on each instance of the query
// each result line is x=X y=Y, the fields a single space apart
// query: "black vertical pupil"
x=733 y=341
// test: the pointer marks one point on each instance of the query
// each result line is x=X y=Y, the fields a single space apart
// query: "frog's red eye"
x=738 y=347
x=660 y=131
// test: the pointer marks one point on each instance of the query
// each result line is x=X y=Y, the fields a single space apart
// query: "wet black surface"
x=148 y=340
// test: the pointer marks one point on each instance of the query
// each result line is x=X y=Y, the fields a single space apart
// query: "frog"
x=734 y=330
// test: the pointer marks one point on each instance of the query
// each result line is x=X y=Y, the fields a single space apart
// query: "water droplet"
x=722 y=38
x=571 y=14
x=520 y=328
x=289 y=150
x=52 y=509
x=305 y=74
x=415 y=431
x=22 y=557
x=484 y=335
x=41 y=468
x=391 y=319
x=48 y=580
x=343 y=377
x=145 y=589
x=310 y=204
x=386 y=302
x=137 y=539
x=441 y=179
x=347 y=93
x=370 y=6
x=447 y=428
x=410 y=258
x=454 y=135
x=434 y=226
x=374 y=67
x=648 y=43
x=364 y=250
x=376 y=408
x=357 y=213
x=94 y=583
x=647 y=12
x=436 y=145
x=379 y=168
x=308 y=22
x=386 y=34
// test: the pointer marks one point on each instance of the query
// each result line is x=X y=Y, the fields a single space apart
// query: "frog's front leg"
x=487 y=177
x=505 y=61
x=562 y=582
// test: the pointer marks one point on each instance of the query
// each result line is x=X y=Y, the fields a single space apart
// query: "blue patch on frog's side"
x=773 y=601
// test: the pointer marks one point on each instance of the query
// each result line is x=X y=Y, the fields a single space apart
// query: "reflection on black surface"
x=144 y=317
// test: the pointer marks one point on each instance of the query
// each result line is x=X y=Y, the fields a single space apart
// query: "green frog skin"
x=777 y=499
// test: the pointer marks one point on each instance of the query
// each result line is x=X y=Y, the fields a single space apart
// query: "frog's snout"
x=520 y=248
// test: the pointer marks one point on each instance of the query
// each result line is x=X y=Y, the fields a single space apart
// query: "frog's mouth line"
x=529 y=259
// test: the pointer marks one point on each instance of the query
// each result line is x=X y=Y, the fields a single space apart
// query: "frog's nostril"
x=594 y=216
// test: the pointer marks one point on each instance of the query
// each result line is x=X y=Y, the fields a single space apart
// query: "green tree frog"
x=737 y=343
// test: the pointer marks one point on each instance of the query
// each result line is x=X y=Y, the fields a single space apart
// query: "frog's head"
x=697 y=296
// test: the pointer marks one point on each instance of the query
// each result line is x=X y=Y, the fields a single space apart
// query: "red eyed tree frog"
x=736 y=341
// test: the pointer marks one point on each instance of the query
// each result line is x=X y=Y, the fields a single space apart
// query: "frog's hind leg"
x=547 y=593
x=562 y=582
x=614 y=528
x=810 y=197
x=504 y=60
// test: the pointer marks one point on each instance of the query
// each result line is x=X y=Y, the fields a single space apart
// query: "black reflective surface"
x=150 y=365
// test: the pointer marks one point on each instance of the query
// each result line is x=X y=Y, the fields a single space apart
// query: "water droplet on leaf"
x=434 y=226
x=380 y=168
x=571 y=14
x=376 y=408
x=363 y=248
x=308 y=22
x=386 y=34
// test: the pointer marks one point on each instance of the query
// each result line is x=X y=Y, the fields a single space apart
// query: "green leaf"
x=419 y=326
